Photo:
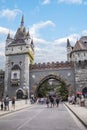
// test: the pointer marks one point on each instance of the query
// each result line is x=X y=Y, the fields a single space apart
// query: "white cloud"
x=2 y=45
x=10 y=14
x=5 y=31
x=2 y=53
x=54 y=50
x=84 y=32
x=46 y=2
x=73 y=38
x=50 y=55
x=63 y=41
x=35 y=28
x=71 y=1
x=40 y=41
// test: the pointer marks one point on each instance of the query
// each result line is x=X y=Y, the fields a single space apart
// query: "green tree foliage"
x=60 y=89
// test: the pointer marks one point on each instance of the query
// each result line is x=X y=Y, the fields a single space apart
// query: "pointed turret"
x=32 y=44
x=68 y=43
x=9 y=39
x=69 y=49
x=22 y=20
x=8 y=36
x=28 y=34
x=21 y=32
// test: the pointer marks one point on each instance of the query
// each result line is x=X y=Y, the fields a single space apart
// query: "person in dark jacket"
x=57 y=101
x=47 y=101
x=52 y=101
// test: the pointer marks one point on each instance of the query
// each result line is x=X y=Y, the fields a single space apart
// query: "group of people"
x=52 y=101
x=75 y=99
x=5 y=103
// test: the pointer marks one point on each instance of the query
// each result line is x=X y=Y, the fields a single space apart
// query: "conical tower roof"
x=68 y=43
x=79 y=46
x=21 y=32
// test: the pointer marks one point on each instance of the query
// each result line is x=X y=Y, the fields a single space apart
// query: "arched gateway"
x=61 y=74
x=53 y=82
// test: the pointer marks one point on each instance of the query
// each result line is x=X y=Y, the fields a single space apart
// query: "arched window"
x=15 y=75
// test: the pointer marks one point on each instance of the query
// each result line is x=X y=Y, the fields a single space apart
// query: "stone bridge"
x=63 y=72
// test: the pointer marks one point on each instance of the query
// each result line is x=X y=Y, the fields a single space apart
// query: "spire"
x=32 y=41
x=28 y=33
x=68 y=43
x=22 y=20
x=9 y=39
x=8 y=36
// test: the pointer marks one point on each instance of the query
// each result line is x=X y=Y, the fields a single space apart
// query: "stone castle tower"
x=78 y=55
x=19 y=52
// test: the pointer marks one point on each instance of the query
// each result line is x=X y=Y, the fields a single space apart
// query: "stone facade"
x=1 y=83
x=19 y=52
x=62 y=72
x=78 y=55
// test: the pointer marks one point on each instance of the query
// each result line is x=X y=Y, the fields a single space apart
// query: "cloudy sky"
x=50 y=23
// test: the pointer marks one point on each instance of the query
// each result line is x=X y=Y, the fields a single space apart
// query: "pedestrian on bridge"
x=13 y=103
x=57 y=101
x=47 y=101
x=52 y=101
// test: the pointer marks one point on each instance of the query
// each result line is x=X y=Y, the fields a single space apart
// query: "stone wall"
x=52 y=65
x=81 y=75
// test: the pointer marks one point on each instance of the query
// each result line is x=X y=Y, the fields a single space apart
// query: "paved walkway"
x=80 y=112
x=20 y=104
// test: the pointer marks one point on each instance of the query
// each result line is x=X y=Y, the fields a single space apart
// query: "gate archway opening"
x=52 y=85
x=19 y=94
x=84 y=92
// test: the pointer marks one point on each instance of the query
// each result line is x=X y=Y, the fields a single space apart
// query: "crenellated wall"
x=52 y=65
x=62 y=71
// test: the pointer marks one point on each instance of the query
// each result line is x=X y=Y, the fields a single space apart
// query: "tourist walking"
x=52 y=101
x=47 y=101
x=6 y=103
x=57 y=101
x=13 y=103
x=1 y=105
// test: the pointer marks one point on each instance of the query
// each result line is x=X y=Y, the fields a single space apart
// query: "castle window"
x=15 y=72
x=1 y=77
x=12 y=48
x=12 y=63
x=79 y=62
x=20 y=62
x=15 y=75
